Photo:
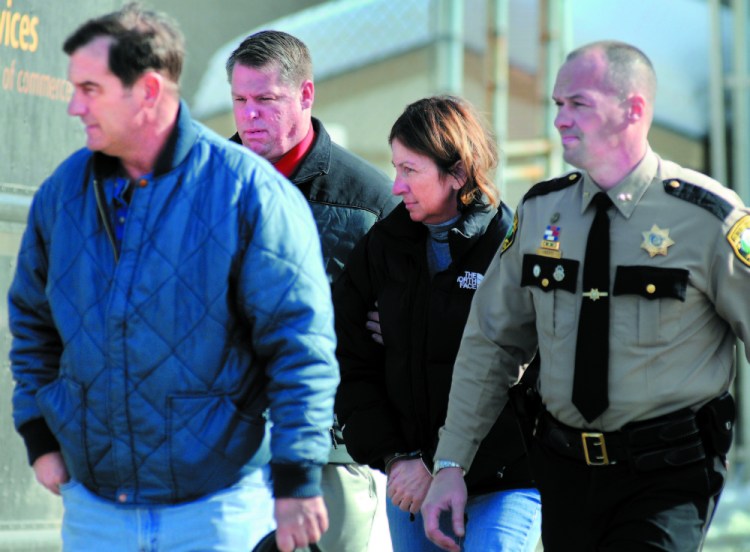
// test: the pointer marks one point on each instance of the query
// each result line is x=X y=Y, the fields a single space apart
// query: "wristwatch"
x=441 y=464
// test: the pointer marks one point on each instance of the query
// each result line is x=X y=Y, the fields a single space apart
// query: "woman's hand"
x=408 y=483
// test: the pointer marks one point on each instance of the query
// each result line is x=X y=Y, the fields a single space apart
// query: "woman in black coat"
x=419 y=268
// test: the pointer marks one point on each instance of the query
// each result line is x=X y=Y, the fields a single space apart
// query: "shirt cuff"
x=38 y=438
x=456 y=448
x=296 y=480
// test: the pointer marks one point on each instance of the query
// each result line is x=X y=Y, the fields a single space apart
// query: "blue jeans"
x=507 y=521
x=232 y=519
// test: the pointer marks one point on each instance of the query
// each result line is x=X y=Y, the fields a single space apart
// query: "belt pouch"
x=716 y=421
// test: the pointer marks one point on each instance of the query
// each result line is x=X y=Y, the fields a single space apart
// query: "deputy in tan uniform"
x=630 y=444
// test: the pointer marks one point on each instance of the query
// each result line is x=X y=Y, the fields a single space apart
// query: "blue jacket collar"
x=174 y=152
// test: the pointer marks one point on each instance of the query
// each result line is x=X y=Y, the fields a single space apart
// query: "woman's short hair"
x=448 y=130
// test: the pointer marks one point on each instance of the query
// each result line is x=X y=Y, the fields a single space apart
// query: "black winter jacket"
x=347 y=196
x=393 y=399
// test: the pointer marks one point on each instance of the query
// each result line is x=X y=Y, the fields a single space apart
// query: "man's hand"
x=447 y=492
x=408 y=482
x=50 y=471
x=300 y=522
x=373 y=324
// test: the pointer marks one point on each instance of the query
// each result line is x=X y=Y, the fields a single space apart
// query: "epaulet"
x=699 y=196
x=549 y=186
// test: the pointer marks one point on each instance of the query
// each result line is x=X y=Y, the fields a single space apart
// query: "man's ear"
x=308 y=94
x=152 y=84
x=636 y=108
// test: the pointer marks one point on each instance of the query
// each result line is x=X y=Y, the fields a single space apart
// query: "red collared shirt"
x=291 y=159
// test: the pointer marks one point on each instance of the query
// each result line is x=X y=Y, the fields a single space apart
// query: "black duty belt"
x=667 y=441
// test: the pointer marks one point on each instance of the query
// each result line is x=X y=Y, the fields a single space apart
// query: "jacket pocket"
x=210 y=441
x=659 y=294
x=556 y=279
x=63 y=404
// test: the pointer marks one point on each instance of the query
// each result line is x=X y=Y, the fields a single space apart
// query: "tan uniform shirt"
x=679 y=294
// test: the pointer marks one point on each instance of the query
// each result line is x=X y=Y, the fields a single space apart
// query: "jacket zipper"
x=104 y=214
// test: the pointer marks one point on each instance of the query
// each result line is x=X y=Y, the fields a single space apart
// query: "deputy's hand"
x=50 y=471
x=299 y=522
x=447 y=492
x=408 y=481
x=373 y=324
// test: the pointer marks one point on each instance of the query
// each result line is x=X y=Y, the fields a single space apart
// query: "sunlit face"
x=591 y=117
x=108 y=110
x=272 y=116
x=428 y=196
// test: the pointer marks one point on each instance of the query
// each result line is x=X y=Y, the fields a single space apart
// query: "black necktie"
x=592 y=345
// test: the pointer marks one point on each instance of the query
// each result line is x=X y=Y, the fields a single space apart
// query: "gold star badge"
x=656 y=241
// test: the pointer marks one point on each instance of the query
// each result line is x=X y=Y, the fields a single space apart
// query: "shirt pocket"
x=553 y=282
x=659 y=296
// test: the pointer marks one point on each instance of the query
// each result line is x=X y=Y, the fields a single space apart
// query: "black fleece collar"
x=474 y=221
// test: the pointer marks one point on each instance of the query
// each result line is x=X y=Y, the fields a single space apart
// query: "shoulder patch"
x=553 y=185
x=696 y=195
x=739 y=238
x=510 y=237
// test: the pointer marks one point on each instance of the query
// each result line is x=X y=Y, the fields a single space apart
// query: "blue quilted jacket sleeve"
x=37 y=346
x=285 y=294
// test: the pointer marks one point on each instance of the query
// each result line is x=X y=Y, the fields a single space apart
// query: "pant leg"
x=408 y=535
x=613 y=509
x=351 y=499
x=671 y=511
x=507 y=520
x=230 y=520
x=564 y=487
x=92 y=524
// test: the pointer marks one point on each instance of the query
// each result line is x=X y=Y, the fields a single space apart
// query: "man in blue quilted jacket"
x=271 y=76
x=171 y=320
